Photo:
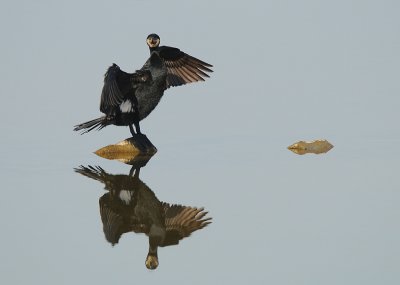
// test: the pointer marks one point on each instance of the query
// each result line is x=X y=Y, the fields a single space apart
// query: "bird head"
x=154 y=241
x=153 y=40
x=151 y=261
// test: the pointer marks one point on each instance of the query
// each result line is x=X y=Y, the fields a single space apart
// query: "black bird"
x=127 y=98
x=181 y=67
x=131 y=206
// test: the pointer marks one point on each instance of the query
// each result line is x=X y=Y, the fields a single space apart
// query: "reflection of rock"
x=129 y=151
x=317 y=147
x=131 y=206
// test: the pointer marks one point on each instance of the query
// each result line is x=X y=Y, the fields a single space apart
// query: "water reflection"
x=131 y=206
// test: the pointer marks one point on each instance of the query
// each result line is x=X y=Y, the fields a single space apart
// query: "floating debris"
x=317 y=147
x=130 y=151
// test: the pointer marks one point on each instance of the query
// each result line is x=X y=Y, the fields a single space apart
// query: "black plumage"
x=126 y=98
x=181 y=67
x=118 y=101
x=131 y=206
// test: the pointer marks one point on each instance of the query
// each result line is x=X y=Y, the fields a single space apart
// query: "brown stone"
x=317 y=147
x=131 y=150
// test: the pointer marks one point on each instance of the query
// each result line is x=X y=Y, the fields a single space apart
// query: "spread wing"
x=182 y=68
x=118 y=84
x=181 y=221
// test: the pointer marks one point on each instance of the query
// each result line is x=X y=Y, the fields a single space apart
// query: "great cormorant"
x=127 y=98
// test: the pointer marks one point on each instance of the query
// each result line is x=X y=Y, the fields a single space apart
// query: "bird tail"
x=98 y=124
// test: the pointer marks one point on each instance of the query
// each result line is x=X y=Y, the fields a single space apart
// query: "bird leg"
x=137 y=127
x=134 y=172
x=132 y=130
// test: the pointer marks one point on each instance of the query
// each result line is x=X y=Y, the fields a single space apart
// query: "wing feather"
x=111 y=95
x=181 y=221
x=113 y=223
x=183 y=68
x=118 y=85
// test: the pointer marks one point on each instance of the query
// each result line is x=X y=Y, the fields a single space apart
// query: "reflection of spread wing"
x=111 y=181
x=94 y=172
x=181 y=221
x=113 y=224
x=182 y=68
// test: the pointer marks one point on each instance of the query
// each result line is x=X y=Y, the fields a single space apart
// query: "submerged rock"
x=317 y=147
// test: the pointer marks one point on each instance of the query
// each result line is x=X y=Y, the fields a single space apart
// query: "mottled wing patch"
x=183 y=68
x=181 y=221
x=186 y=69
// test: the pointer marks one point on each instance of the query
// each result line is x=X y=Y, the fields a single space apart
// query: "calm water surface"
x=331 y=216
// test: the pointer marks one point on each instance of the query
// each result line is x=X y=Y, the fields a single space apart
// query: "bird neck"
x=153 y=250
x=153 y=49
x=154 y=242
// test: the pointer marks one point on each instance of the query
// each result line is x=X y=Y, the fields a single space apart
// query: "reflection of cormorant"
x=127 y=98
x=130 y=205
